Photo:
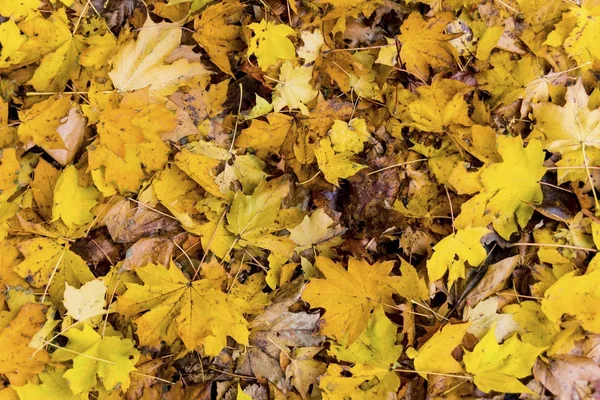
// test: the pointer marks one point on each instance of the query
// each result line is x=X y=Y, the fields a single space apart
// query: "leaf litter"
x=299 y=199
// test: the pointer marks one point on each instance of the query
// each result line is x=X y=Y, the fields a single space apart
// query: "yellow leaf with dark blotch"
x=110 y=359
x=270 y=43
x=40 y=123
x=201 y=104
x=42 y=187
x=218 y=34
x=19 y=8
x=201 y=169
x=266 y=137
x=14 y=173
x=48 y=263
x=17 y=360
x=9 y=255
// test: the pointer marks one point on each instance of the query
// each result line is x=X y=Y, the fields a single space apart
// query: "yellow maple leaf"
x=266 y=137
x=50 y=41
x=577 y=33
x=40 y=123
x=87 y=301
x=99 y=50
x=270 y=43
x=18 y=361
x=373 y=353
x=47 y=262
x=53 y=386
x=436 y=354
x=201 y=104
x=195 y=311
x=109 y=358
x=252 y=218
x=409 y=285
x=358 y=382
x=179 y=194
x=294 y=89
x=140 y=62
x=14 y=172
x=11 y=40
x=335 y=166
x=315 y=230
x=534 y=327
x=511 y=80
x=509 y=188
x=424 y=43
x=201 y=159
x=499 y=366
x=129 y=138
x=376 y=345
x=217 y=34
x=575 y=295
x=453 y=251
x=18 y=8
x=73 y=203
x=349 y=296
x=349 y=136
x=201 y=169
x=433 y=108
x=572 y=130
x=342 y=9
x=9 y=255
x=313 y=41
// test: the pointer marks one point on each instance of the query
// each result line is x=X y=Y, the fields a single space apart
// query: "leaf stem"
x=411 y=371
x=566 y=246
x=397 y=165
